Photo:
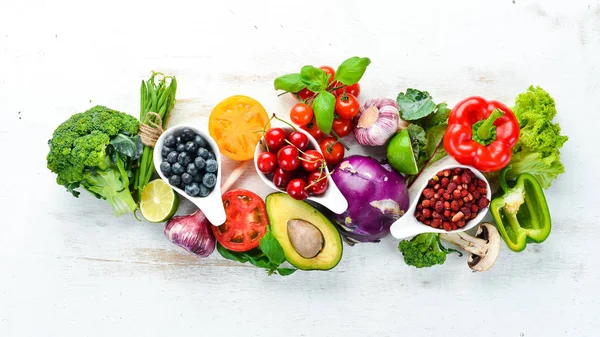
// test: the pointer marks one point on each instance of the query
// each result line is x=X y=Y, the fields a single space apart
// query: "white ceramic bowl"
x=212 y=204
x=408 y=226
x=333 y=199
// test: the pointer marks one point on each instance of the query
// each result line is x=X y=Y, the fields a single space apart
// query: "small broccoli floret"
x=82 y=156
x=424 y=250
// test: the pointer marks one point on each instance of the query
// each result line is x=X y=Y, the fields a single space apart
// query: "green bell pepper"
x=521 y=213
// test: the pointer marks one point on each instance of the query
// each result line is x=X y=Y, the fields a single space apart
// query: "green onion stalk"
x=157 y=96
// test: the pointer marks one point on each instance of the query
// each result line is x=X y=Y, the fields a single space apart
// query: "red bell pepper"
x=481 y=134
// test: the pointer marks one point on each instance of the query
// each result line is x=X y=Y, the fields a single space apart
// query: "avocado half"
x=282 y=209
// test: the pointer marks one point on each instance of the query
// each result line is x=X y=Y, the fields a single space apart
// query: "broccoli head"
x=81 y=155
x=424 y=250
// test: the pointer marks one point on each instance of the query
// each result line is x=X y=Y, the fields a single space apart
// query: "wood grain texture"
x=69 y=268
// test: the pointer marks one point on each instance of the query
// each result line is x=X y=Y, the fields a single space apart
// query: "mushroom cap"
x=486 y=231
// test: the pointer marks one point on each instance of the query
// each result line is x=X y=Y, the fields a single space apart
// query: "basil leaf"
x=286 y=271
x=323 y=106
x=314 y=78
x=352 y=70
x=229 y=255
x=415 y=104
x=259 y=261
x=290 y=83
x=125 y=145
x=271 y=248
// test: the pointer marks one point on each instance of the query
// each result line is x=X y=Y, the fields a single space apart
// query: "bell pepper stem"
x=485 y=130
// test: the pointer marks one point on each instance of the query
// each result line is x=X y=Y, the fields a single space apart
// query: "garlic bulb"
x=377 y=122
x=192 y=233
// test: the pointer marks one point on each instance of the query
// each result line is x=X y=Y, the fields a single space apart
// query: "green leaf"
x=415 y=104
x=290 y=83
x=433 y=149
x=271 y=248
x=127 y=145
x=286 y=271
x=260 y=261
x=352 y=70
x=315 y=78
x=418 y=140
x=323 y=106
x=229 y=255
x=439 y=116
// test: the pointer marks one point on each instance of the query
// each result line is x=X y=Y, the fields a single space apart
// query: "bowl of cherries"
x=290 y=160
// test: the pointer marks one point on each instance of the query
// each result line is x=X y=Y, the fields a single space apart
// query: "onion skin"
x=377 y=131
x=377 y=196
x=192 y=233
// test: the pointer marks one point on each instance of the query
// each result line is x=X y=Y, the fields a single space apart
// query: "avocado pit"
x=305 y=237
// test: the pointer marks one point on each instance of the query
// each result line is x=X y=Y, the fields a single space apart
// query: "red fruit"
x=275 y=139
x=333 y=151
x=350 y=89
x=287 y=158
x=342 y=127
x=347 y=106
x=296 y=190
x=266 y=162
x=311 y=160
x=299 y=140
x=317 y=182
x=304 y=94
x=330 y=71
x=313 y=129
x=281 y=178
x=301 y=114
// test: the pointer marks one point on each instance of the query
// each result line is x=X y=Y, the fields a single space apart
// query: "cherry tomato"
x=246 y=221
x=266 y=162
x=347 y=106
x=281 y=178
x=275 y=139
x=350 y=89
x=342 y=127
x=313 y=129
x=311 y=160
x=333 y=151
x=301 y=114
x=287 y=158
x=299 y=140
x=296 y=189
x=330 y=71
x=317 y=182
x=304 y=94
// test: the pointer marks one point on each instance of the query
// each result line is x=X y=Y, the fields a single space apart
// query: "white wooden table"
x=69 y=268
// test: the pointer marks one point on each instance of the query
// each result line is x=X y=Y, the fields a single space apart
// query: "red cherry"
x=318 y=182
x=287 y=158
x=299 y=140
x=281 y=178
x=311 y=160
x=296 y=189
x=266 y=162
x=275 y=139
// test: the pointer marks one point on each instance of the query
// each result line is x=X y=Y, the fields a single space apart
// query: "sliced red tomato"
x=246 y=221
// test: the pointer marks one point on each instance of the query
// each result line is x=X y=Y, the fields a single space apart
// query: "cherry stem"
x=284 y=121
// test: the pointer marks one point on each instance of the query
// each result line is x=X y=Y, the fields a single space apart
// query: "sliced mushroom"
x=305 y=237
x=483 y=247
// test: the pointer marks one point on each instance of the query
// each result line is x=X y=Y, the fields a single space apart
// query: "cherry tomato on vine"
x=304 y=94
x=342 y=127
x=281 y=178
x=275 y=139
x=317 y=182
x=333 y=151
x=296 y=189
x=311 y=160
x=347 y=106
x=313 y=129
x=301 y=114
x=350 y=89
x=299 y=140
x=287 y=158
x=330 y=71
x=266 y=162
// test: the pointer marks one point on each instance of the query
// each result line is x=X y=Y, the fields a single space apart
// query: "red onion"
x=192 y=233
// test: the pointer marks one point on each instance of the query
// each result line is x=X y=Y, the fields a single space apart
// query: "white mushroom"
x=483 y=248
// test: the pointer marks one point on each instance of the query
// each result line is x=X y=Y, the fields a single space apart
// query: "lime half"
x=159 y=202
x=400 y=154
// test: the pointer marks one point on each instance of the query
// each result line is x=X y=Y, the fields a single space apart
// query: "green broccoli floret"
x=82 y=155
x=424 y=250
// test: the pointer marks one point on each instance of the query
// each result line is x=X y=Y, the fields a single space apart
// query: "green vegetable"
x=352 y=70
x=158 y=98
x=424 y=250
x=415 y=104
x=94 y=150
x=323 y=107
x=538 y=150
x=289 y=83
x=521 y=213
x=269 y=255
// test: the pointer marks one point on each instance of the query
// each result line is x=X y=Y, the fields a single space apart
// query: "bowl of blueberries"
x=188 y=159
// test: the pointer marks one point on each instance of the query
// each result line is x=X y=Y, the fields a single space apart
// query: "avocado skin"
x=281 y=208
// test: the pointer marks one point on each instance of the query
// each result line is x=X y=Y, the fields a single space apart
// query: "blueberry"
x=187 y=134
x=191 y=147
x=199 y=162
x=191 y=169
x=209 y=180
x=177 y=169
x=170 y=141
x=204 y=191
x=202 y=152
x=175 y=180
x=211 y=166
x=186 y=178
x=200 y=141
x=197 y=178
x=172 y=157
x=192 y=189
x=179 y=141
x=184 y=159
x=165 y=167
x=165 y=151
x=180 y=148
